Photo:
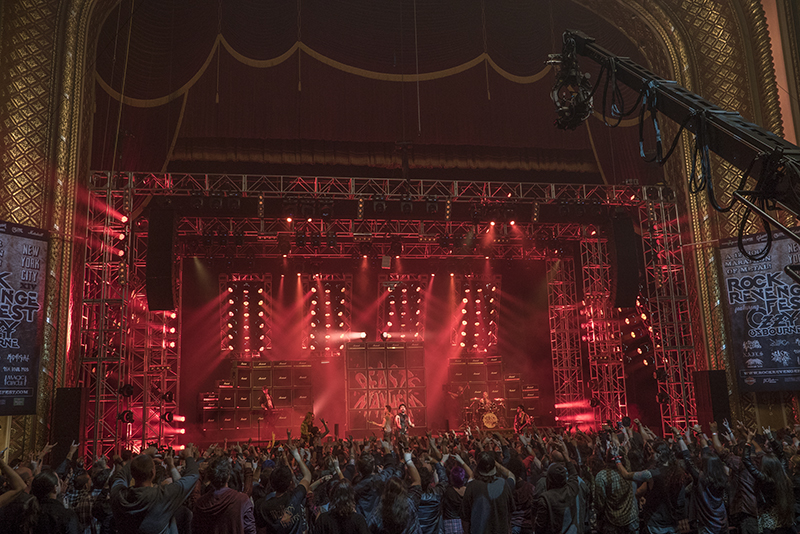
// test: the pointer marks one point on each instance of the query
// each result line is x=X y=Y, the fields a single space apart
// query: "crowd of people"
x=618 y=479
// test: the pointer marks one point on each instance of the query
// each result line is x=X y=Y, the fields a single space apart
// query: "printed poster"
x=23 y=258
x=763 y=309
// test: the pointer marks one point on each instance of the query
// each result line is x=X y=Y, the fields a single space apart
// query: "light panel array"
x=245 y=316
x=636 y=333
x=402 y=310
x=477 y=315
x=329 y=311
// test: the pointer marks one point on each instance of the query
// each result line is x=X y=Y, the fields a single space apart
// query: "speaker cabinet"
x=68 y=418
x=623 y=251
x=160 y=264
x=711 y=394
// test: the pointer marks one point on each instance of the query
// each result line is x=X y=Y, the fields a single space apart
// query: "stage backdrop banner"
x=763 y=308
x=23 y=258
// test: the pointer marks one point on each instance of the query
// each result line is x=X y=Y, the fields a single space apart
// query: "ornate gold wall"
x=717 y=48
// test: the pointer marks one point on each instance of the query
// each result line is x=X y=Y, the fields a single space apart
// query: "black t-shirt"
x=328 y=523
x=285 y=514
x=488 y=507
x=451 y=503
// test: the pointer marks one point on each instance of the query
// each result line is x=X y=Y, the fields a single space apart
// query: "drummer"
x=485 y=403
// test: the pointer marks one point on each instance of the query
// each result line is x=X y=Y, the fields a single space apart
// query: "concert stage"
x=343 y=296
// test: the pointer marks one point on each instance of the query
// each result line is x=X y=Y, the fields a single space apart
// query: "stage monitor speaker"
x=160 y=264
x=68 y=420
x=711 y=394
x=624 y=256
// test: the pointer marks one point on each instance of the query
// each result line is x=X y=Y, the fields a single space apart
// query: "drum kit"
x=485 y=413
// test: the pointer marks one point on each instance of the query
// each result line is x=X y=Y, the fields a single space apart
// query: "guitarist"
x=522 y=420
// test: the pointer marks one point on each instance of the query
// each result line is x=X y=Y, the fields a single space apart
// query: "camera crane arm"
x=774 y=161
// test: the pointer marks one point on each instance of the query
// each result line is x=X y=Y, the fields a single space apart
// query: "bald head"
x=27 y=476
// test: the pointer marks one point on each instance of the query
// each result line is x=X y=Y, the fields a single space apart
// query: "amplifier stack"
x=235 y=405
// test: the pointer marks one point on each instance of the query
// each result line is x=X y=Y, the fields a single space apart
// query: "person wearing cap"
x=488 y=500
x=556 y=509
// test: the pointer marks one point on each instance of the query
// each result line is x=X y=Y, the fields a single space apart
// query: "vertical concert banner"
x=763 y=309
x=23 y=259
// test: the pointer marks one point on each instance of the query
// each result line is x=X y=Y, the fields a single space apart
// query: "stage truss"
x=605 y=358
x=124 y=343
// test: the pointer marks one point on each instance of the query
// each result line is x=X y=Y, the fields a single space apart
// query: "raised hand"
x=188 y=451
x=289 y=444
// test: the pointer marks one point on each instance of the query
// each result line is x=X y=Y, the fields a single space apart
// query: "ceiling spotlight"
x=126 y=416
x=167 y=417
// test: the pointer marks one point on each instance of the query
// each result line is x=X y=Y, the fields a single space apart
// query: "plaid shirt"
x=81 y=502
x=615 y=500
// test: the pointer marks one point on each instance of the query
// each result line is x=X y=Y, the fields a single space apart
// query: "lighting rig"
x=328 y=312
x=245 y=313
x=476 y=315
x=401 y=316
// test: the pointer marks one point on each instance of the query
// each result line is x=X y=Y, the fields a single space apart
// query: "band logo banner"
x=763 y=308
x=23 y=259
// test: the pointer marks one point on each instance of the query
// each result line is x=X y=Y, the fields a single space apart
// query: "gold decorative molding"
x=27 y=107
x=766 y=82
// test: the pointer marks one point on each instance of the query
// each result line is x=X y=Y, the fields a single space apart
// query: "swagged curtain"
x=320 y=86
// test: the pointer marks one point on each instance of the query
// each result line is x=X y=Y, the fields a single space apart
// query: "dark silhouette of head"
x=281 y=479
x=143 y=469
x=219 y=472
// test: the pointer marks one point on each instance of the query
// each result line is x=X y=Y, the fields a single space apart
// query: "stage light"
x=126 y=390
x=173 y=315
x=167 y=417
x=126 y=416
x=123 y=219
x=660 y=375
x=662 y=397
x=594 y=402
